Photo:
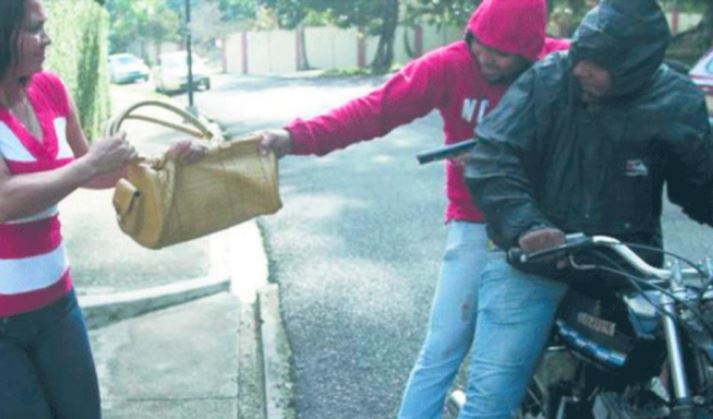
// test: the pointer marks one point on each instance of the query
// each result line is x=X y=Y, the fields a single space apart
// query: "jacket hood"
x=513 y=26
x=627 y=37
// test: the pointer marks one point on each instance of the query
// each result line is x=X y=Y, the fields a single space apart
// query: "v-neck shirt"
x=22 y=151
x=34 y=270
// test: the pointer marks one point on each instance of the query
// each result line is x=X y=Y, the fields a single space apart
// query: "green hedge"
x=79 y=29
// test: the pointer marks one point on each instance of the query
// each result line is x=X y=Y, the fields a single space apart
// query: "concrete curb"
x=276 y=355
x=251 y=380
x=263 y=339
x=230 y=257
x=101 y=310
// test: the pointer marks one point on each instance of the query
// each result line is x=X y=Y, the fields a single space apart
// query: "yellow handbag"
x=164 y=202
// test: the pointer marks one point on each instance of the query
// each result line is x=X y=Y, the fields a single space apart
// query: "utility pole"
x=189 y=58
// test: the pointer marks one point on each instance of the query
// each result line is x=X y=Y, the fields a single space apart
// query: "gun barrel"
x=445 y=152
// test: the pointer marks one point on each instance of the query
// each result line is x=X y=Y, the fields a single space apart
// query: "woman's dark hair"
x=469 y=37
x=12 y=17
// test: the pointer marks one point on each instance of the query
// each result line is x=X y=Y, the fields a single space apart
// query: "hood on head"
x=513 y=26
x=627 y=37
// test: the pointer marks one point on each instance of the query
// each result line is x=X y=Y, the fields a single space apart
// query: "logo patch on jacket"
x=636 y=168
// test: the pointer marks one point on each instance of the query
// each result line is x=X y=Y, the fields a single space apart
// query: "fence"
x=278 y=51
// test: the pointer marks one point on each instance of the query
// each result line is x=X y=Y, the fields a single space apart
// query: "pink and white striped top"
x=34 y=270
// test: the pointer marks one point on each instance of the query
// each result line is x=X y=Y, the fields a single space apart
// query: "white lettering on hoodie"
x=470 y=106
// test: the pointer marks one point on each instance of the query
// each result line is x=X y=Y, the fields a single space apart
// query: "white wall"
x=434 y=37
x=685 y=20
x=234 y=53
x=272 y=52
x=330 y=48
x=283 y=51
x=400 y=51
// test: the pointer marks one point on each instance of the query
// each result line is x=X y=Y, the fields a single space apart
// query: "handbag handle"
x=192 y=125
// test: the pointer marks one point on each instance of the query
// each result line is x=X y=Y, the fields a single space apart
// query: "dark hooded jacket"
x=546 y=158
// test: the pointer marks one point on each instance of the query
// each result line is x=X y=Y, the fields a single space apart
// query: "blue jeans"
x=46 y=365
x=515 y=315
x=451 y=324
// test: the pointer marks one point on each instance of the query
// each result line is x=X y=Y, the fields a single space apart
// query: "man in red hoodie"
x=463 y=80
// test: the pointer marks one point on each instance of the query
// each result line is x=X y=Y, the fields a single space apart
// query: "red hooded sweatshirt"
x=447 y=79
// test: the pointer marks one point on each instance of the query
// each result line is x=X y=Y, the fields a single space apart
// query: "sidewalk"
x=180 y=362
x=179 y=332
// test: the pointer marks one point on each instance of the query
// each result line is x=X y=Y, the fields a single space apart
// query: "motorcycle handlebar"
x=580 y=241
x=572 y=242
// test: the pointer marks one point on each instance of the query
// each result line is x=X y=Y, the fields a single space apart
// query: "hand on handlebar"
x=543 y=239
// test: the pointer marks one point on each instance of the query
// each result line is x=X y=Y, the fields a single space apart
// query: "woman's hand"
x=187 y=151
x=111 y=154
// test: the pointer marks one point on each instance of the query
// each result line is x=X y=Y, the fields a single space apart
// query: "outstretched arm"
x=411 y=93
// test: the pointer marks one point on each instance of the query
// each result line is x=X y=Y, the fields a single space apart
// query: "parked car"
x=127 y=68
x=702 y=76
x=171 y=73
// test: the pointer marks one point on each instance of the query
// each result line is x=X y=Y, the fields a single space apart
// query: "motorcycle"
x=630 y=341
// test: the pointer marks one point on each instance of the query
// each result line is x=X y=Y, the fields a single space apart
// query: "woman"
x=46 y=365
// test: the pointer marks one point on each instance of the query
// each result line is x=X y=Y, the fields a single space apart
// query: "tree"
x=385 y=50
x=686 y=46
x=440 y=12
x=237 y=10
x=291 y=14
x=705 y=28
x=288 y=13
x=691 y=44
x=370 y=17
x=145 y=22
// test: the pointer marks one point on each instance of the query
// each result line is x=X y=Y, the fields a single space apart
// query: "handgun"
x=441 y=153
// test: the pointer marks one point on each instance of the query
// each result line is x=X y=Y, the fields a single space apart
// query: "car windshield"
x=173 y=60
x=709 y=65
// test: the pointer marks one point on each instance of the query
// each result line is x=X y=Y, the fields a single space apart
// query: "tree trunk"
x=385 y=51
x=410 y=52
x=304 y=61
x=706 y=27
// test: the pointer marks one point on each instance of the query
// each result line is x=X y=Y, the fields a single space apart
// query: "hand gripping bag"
x=162 y=202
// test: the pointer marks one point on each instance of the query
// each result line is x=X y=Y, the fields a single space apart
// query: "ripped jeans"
x=515 y=315
x=515 y=311
x=451 y=324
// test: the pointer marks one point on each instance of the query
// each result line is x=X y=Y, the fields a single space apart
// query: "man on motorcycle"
x=583 y=141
